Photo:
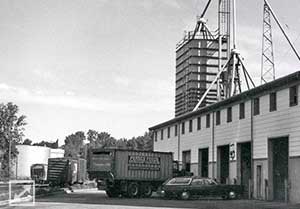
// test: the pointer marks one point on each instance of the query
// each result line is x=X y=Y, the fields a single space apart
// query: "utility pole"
x=9 y=152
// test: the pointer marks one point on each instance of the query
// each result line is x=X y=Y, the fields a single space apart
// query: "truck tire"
x=133 y=190
x=146 y=190
x=112 y=193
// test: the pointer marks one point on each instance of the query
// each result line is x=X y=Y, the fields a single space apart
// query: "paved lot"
x=91 y=199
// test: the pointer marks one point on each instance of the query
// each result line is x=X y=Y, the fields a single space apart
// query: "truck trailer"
x=130 y=173
x=66 y=171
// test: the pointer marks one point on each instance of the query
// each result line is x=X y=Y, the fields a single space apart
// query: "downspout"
x=213 y=144
x=178 y=140
x=252 y=160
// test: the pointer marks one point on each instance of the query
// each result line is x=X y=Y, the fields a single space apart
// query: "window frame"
x=162 y=134
x=169 y=131
x=229 y=114
x=273 y=101
x=293 y=98
x=242 y=110
x=198 y=123
x=256 y=106
x=208 y=120
x=183 y=128
x=191 y=125
x=218 y=117
x=176 y=130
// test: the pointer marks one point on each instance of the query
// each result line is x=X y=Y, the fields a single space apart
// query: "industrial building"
x=252 y=139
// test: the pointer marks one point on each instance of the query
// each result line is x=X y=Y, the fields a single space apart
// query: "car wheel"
x=231 y=195
x=185 y=195
x=133 y=190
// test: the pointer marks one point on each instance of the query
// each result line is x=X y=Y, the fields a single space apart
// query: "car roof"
x=193 y=177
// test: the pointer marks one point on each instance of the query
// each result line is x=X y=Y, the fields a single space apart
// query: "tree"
x=11 y=132
x=141 y=142
x=100 y=140
x=74 y=145
x=53 y=145
x=27 y=142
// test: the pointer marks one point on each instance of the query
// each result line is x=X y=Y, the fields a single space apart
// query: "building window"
x=169 y=130
x=155 y=136
x=162 y=134
x=273 y=101
x=218 y=117
x=191 y=125
x=229 y=114
x=182 y=128
x=175 y=130
x=293 y=96
x=207 y=120
x=198 y=123
x=242 y=110
x=256 y=106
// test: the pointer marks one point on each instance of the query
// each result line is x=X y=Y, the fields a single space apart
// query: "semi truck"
x=130 y=173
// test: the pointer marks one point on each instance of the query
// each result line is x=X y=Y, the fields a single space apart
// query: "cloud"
x=172 y=3
x=121 y=80
x=70 y=100
x=70 y=93
x=44 y=74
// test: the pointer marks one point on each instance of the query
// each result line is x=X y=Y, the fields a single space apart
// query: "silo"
x=29 y=155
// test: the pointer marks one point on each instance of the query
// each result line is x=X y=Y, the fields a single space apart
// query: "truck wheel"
x=146 y=190
x=112 y=193
x=133 y=190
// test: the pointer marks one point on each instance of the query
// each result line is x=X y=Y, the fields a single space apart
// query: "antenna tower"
x=267 y=58
x=267 y=65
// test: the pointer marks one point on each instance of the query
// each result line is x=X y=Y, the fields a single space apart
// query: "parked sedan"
x=186 y=187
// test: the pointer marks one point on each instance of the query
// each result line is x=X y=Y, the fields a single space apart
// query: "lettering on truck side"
x=136 y=162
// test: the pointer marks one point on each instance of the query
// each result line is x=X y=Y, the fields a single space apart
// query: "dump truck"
x=129 y=173
x=66 y=171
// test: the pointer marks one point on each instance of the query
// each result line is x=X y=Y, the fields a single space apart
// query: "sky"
x=109 y=65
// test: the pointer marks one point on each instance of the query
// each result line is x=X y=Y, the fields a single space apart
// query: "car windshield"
x=180 y=181
x=210 y=182
x=201 y=181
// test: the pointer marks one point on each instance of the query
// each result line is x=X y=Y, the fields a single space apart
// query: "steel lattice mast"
x=267 y=58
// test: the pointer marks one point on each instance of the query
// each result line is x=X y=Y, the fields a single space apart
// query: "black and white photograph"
x=150 y=104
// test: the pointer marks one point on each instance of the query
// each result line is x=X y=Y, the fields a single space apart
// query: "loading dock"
x=278 y=167
x=223 y=164
x=244 y=160
x=186 y=160
x=203 y=162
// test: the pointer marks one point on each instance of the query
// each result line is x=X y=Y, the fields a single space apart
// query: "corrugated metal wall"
x=143 y=171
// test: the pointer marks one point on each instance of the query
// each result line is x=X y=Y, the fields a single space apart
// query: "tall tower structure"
x=199 y=57
x=197 y=64
x=267 y=59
